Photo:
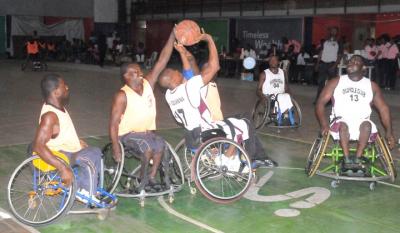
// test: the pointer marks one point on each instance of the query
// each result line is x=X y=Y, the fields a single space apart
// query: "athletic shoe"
x=83 y=196
x=266 y=163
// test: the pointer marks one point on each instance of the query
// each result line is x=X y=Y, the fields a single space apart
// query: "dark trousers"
x=391 y=69
x=326 y=71
x=381 y=69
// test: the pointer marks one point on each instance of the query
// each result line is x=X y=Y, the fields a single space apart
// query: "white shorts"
x=240 y=126
x=354 y=129
x=283 y=102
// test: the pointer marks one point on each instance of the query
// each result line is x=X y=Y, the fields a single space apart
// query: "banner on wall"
x=259 y=32
x=219 y=31
x=25 y=25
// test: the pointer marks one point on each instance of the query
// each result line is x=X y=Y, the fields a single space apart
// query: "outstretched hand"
x=180 y=48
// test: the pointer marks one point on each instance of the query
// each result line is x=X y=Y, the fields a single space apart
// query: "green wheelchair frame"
x=380 y=165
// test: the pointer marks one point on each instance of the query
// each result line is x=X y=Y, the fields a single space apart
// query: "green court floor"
x=351 y=207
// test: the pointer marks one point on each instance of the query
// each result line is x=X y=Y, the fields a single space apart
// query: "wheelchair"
x=268 y=113
x=35 y=63
x=326 y=155
x=37 y=196
x=124 y=179
x=219 y=178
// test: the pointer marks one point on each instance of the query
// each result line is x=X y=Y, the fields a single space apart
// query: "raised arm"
x=208 y=72
x=323 y=99
x=48 y=128
x=162 y=61
x=189 y=63
x=117 y=109
x=384 y=113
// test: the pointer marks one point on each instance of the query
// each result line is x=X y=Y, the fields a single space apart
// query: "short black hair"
x=124 y=68
x=49 y=83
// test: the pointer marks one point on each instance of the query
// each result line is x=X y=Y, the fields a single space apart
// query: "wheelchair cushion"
x=212 y=133
x=45 y=167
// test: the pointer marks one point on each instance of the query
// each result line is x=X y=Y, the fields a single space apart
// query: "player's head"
x=170 y=78
x=355 y=67
x=53 y=86
x=274 y=62
x=131 y=72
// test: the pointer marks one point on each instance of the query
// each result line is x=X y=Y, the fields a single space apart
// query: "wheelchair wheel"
x=37 y=196
x=186 y=156
x=111 y=169
x=385 y=157
x=220 y=178
x=297 y=113
x=316 y=154
x=260 y=112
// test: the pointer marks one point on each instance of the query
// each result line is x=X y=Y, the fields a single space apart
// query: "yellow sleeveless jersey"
x=214 y=102
x=67 y=139
x=140 y=111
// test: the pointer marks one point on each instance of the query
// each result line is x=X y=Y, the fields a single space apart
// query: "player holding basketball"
x=189 y=108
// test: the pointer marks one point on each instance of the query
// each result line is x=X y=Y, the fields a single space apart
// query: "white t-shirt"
x=274 y=83
x=188 y=105
x=301 y=58
x=352 y=99
x=330 y=51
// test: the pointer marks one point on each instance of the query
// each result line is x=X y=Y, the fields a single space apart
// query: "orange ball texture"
x=187 y=32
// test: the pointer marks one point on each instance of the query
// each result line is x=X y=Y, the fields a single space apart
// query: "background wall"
x=65 y=8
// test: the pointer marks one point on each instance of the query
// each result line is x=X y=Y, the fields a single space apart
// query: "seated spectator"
x=140 y=51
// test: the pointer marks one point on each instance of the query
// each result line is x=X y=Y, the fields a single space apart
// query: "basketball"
x=187 y=32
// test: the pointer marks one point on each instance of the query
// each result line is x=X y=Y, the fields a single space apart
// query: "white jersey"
x=352 y=99
x=274 y=83
x=188 y=106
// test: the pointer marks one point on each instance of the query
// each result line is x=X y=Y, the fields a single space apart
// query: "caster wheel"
x=372 y=186
x=171 y=199
x=141 y=203
x=335 y=184
x=102 y=215
x=193 y=190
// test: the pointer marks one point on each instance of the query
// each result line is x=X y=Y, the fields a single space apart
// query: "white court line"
x=297 y=168
x=4 y=215
x=184 y=217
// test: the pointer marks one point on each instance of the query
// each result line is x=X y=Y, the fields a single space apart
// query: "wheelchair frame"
x=197 y=162
x=47 y=185
x=118 y=170
x=377 y=151
x=264 y=116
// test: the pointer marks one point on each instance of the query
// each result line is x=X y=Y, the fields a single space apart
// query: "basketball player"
x=56 y=132
x=352 y=96
x=209 y=91
x=189 y=108
x=133 y=114
x=273 y=83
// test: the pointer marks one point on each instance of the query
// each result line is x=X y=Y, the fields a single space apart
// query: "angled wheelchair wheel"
x=297 y=115
x=36 y=194
x=222 y=170
x=260 y=112
x=316 y=154
x=385 y=157
x=112 y=170
x=186 y=156
x=176 y=171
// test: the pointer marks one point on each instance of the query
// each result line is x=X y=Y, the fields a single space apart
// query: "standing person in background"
x=380 y=61
x=102 y=47
x=391 y=65
x=371 y=53
x=287 y=43
x=248 y=51
x=328 y=59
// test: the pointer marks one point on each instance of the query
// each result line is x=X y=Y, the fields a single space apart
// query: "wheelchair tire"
x=111 y=169
x=386 y=157
x=260 y=113
x=47 y=200
x=216 y=176
x=298 y=115
x=186 y=156
x=316 y=154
